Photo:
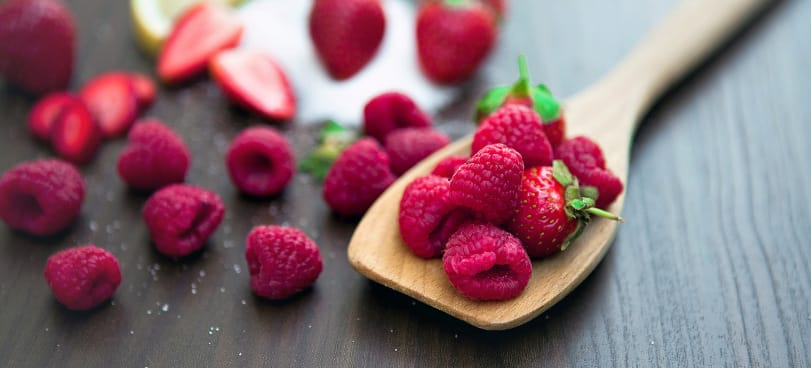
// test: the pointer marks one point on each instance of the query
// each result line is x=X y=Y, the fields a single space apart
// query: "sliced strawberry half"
x=75 y=136
x=253 y=79
x=112 y=99
x=45 y=112
x=201 y=32
x=144 y=90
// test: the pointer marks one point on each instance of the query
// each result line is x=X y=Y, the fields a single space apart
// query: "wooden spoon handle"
x=682 y=41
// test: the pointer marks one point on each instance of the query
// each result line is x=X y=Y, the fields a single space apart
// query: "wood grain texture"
x=710 y=269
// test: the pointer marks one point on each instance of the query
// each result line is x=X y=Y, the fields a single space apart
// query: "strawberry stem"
x=522 y=88
x=604 y=214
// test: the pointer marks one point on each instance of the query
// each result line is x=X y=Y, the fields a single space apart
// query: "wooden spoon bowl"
x=608 y=112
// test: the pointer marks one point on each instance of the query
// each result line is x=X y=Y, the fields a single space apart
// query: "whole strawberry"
x=37 y=43
x=552 y=213
x=346 y=34
x=453 y=38
x=522 y=92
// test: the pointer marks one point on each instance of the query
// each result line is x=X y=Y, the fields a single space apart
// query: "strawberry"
x=254 y=80
x=37 y=45
x=144 y=90
x=199 y=33
x=552 y=213
x=45 y=112
x=498 y=7
x=453 y=38
x=112 y=99
x=346 y=34
x=522 y=92
x=75 y=135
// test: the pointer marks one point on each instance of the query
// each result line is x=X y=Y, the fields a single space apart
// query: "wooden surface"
x=710 y=268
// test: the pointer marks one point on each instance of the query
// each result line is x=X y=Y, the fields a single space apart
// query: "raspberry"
x=519 y=127
x=607 y=185
x=406 y=147
x=448 y=166
x=580 y=155
x=484 y=262
x=282 y=261
x=359 y=175
x=488 y=183
x=260 y=162
x=585 y=161
x=83 y=277
x=427 y=218
x=154 y=157
x=390 y=111
x=182 y=217
x=41 y=197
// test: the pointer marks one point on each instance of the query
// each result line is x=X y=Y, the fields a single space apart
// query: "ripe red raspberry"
x=83 y=277
x=41 y=197
x=484 y=262
x=282 y=261
x=406 y=147
x=488 y=183
x=391 y=111
x=519 y=127
x=154 y=157
x=359 y=175
x=427 y=217
x=448 y=166
x=260 y=162
x=585 y=161
x=181 y=218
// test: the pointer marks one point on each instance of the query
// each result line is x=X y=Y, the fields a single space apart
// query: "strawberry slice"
x=45 y=112
x=253 y=79
x=75 y=135
x=144 y=90
x=112 y=99
x=201 y=32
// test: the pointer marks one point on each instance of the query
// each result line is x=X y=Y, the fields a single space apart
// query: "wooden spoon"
x=608 y=112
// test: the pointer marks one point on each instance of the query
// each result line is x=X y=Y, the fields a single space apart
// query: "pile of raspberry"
x=519 y=196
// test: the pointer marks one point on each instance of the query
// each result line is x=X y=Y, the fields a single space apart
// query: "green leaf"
x=491 y=101
x=545 y=104
x=561 y=173
x=333 y=140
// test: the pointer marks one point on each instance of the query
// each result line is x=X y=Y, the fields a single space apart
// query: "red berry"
x=391 y=111
x=82 y=278
x=453 y=40
x=498 y=7
x=75 y=136
x=346 y=34
x=37 y=44
x=407 y=147
x=41 y=197
x=155 y=156
x=555 y=130
x=200 y=33
x=484 y=262
x=541 y=222
x=253 y=79
x=45 y=112
x=581 y=155
x=448 y=166
x=260 y=162
x=112 y=99
x=488 y=183
x=427 y=218
x=518 y=127
x=182 y=217
x=585 y=160
x=144 y=90
x=282 y=261
x=359 y=175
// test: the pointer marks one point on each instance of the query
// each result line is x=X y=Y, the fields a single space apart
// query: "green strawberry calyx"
x=539 y=97
x=579 y=207
x=333 y=140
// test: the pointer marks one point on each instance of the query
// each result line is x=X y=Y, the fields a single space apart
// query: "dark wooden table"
x=710 y=269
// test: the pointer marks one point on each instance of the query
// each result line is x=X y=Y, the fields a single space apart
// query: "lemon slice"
x=152 y=19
